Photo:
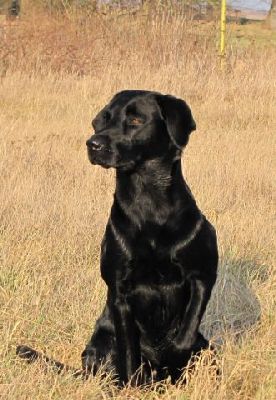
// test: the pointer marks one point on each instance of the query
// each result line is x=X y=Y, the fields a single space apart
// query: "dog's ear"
x=178 y=118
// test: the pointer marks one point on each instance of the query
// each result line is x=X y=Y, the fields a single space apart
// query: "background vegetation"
x=57 y=71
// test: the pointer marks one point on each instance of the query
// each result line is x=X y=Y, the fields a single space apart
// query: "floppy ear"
x=178 y=118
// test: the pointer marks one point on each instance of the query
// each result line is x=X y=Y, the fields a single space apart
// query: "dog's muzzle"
x=99 y=151
x=97 y=143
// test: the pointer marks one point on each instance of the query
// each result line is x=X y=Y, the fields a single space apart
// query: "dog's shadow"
x=233 y=308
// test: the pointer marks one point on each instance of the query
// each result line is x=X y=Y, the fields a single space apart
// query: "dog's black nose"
x=96 y=143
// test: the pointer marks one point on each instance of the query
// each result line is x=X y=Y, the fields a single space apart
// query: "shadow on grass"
x=233 y=308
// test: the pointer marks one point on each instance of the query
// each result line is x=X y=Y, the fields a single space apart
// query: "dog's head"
x=137 y=126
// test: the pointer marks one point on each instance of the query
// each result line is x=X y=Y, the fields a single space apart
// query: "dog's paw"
x=190 y=344
x=90 y=362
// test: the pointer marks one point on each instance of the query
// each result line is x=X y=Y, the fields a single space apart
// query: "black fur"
x=159 y=253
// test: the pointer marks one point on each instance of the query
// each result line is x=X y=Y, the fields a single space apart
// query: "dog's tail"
x=31 y=355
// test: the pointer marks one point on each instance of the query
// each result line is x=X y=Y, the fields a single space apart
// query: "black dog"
x=159 y=253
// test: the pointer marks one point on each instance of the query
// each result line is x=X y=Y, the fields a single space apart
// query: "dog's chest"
x=158 y=293
x=152 y=267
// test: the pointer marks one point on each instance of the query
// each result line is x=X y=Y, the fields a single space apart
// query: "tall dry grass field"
x=56 y=73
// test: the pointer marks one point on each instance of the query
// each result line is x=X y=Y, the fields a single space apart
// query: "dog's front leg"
x=188 y=332
x=127 y=338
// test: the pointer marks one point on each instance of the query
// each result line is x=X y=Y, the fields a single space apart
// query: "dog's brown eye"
x=135 y=121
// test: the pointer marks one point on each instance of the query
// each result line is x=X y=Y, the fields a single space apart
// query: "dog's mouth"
x=99 y=159
x=107 y=160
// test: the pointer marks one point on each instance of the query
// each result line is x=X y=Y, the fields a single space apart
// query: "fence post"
x=14 y=8
x=222 y=32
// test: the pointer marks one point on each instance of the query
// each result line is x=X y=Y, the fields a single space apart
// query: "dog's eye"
x=135 y=121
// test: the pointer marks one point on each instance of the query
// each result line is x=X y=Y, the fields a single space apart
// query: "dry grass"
x=54 y=204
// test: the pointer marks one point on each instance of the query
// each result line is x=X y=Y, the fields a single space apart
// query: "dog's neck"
x=160 y=180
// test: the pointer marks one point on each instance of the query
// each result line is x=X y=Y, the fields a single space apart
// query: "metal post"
x=14 y=8
x=222 y=31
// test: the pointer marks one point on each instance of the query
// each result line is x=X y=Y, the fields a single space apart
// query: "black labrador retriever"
x=159 y=253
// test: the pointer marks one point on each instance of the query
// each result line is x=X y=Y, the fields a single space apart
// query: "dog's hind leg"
x=186 y=359
x=100 y=350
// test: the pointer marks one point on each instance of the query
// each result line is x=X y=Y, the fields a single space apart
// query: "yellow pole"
x=222 y=30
